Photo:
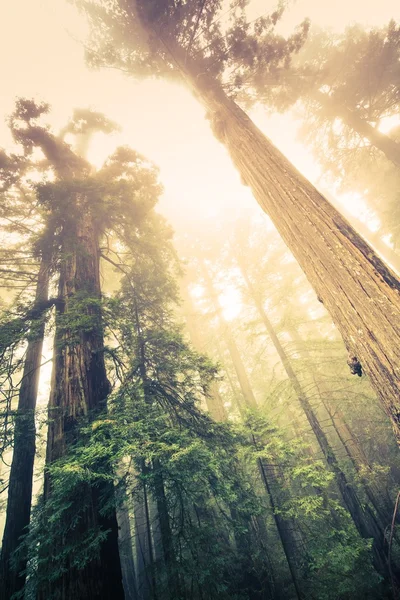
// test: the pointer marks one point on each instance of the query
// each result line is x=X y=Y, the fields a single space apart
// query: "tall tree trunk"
x=376 y=138
x=374 y=238
x=358 y=290
x=126 y=554
x=143 y=556
x=363 y=519
x=166 y=534
x=79 y=390
x=20 y=483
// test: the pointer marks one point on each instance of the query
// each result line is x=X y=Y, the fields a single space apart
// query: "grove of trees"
x=223 y=414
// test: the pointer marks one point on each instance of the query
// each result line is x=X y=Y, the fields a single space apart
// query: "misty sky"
x=43 y=57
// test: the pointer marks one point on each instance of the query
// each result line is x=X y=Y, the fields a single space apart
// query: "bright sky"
x=42 y=58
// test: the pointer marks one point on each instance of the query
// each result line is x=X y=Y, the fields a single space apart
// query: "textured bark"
x=358 y=290
x=79 y=389
x=374 y=238
x=20 y=482
x=376 y=138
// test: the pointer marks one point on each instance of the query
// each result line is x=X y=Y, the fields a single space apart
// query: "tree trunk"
x=79 y=390
x=143 y=557
x=126 y=554
x=378 y=498
x=376 y=138
x=166 y=534
x=374 y=238
x=20 y=483
x=285 y=529
x=358 y=290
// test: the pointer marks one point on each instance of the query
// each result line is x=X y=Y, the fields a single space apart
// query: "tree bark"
x=374 y=238
x=79 y=390
x=357 y=288
x=20 y=482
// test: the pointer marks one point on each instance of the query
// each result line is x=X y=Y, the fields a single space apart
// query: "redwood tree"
x=80 y=205
x=185 y=40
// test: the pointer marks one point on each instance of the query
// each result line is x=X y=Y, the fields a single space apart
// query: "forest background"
x=201 y=187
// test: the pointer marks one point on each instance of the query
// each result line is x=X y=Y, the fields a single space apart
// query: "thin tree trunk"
x=384 y=509
x=149 y=541
x=166 y=534
x=376 y=138
x=20 y=483
x=143 y=566
x=358 y=290
x=79 y=390
x=126 y=554
x=364 y=520
x=286 y=535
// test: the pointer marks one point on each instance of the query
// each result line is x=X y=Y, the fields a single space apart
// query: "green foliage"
x=337 y=561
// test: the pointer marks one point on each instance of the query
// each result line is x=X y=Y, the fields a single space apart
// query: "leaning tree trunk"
x=376 y=138
x=358 y=290
x=79 y=390
x=363 y=519
x=20 y=482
